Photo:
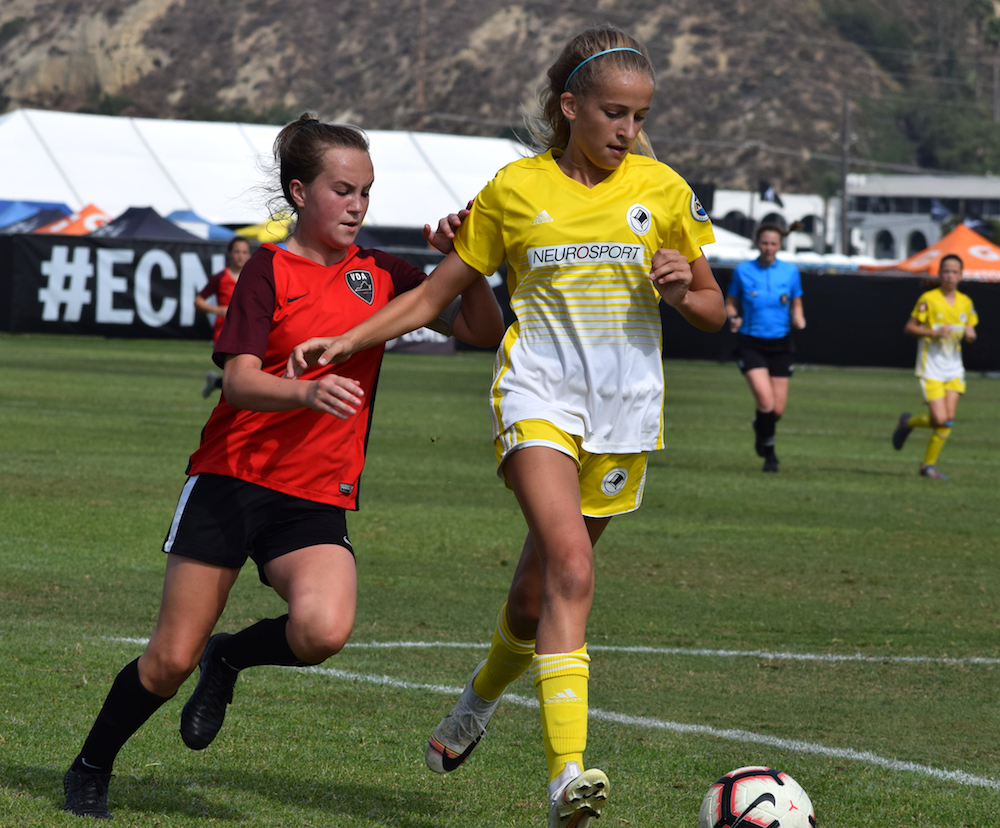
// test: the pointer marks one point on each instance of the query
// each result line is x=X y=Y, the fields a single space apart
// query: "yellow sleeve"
x=688 y=226
x=480 y=242
x=921 y=311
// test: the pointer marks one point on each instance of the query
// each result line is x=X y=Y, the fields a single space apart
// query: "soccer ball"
x=756 y=797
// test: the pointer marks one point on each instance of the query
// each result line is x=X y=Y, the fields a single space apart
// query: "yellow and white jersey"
x=941 y=359
x=584 y=353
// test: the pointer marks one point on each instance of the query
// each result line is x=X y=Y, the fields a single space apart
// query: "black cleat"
x=902 y=431
x=770 y=464
x=205 y=711
x=87 y=794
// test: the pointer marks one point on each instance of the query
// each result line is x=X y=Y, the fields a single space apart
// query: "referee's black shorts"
x=224 y=521
x=774 y=354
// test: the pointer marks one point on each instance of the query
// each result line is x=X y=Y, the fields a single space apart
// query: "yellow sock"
x=935 y=444
x=919 y=421
x=509 y=657
x=561 y=680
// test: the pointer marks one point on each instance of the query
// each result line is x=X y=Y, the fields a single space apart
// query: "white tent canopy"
x=218 y=170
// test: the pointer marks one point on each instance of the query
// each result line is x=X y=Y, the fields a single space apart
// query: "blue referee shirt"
x=765 y=295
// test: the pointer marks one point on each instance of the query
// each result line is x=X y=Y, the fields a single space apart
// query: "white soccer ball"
x=756 y=797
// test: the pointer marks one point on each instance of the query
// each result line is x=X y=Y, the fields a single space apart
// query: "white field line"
x=733 y=735
x=767 y=655
x=745 y=736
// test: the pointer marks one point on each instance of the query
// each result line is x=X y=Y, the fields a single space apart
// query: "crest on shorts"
x=361 y=284
x=614 y=481
x=639 y=218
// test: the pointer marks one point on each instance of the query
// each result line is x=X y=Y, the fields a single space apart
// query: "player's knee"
x=164 y=670
x=318 y=642
x=571 y=579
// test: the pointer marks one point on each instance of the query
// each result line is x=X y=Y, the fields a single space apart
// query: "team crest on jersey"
x=361 y=284
x=639 y=219
x=784 y=298
x=614 y=481
x=962 y=318
x=697 y=211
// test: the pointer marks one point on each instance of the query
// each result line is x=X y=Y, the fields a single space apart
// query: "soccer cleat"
x=87 y=794
x=212 y=381
x=902 y=431
x=931 y=472
x=205 y=711
x=576 y=798
x=454 y=739
x=770 y=464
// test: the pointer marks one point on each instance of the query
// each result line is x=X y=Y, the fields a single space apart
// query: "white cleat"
x=576 y=797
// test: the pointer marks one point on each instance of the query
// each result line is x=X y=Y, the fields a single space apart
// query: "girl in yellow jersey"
x=594 y=232
x=942 y=318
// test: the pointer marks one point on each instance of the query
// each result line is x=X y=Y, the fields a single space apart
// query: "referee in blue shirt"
x=764 y=303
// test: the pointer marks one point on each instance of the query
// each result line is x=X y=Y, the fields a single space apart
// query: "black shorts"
x=224 y=521
x=773 y=354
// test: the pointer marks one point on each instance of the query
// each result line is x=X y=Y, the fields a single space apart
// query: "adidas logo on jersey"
x=563 y=697
x=542 y=218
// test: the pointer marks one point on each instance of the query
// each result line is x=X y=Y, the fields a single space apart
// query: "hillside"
x=746 y=91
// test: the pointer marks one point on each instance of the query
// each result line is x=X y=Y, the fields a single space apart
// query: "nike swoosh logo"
x=291 y=299
x=448 y=760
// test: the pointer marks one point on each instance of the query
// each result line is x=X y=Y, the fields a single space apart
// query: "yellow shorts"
x=934 y=389
x=610 y=484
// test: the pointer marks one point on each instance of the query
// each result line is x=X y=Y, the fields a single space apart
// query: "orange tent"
x=78 y=224
x=980 y=257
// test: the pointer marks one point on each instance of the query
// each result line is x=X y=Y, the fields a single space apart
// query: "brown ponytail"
x=299 y=149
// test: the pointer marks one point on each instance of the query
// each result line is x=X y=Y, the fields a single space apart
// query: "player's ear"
x=297 y=190
x=568 y=104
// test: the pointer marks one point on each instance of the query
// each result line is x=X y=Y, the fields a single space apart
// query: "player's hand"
x=734 y=323
x=671 y=275
x=798 y=321
x=943 y=332
x=443 y=238
x=320 y=350
x=970 y=333
x=336 y=395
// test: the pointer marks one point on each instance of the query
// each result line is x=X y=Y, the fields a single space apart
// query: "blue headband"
x=605 y=52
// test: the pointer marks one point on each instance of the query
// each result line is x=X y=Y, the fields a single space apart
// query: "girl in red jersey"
x=279 y=462
x=594 y=233
x=221 y=286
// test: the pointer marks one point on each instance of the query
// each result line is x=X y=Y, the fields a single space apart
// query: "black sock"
x=125 y=710
x=763 y=426
x=261 y=643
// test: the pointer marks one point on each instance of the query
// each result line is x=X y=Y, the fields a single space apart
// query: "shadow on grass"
x=190 y=795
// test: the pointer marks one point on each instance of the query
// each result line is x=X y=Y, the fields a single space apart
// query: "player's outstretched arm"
x=247 y=387
x=690 y=288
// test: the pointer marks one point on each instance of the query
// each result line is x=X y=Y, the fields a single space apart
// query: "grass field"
x=839 y=620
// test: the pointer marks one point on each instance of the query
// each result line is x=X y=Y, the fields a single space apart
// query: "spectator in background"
x=941 y=319
x=764 y=304
x=221 y=286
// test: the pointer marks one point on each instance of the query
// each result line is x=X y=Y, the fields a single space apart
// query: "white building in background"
x=890 y=215
x=740 y=210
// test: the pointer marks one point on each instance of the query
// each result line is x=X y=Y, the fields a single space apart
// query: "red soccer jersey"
x=221 y=285
x=281 y=300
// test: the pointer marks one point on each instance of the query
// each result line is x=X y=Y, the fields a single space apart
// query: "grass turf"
x=846 y=552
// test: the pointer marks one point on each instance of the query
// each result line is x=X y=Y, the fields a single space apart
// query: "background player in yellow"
x=942 y=318
x=594 y=236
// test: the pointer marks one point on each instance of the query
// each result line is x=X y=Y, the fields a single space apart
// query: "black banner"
x=105 y=287
x=851 y=319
